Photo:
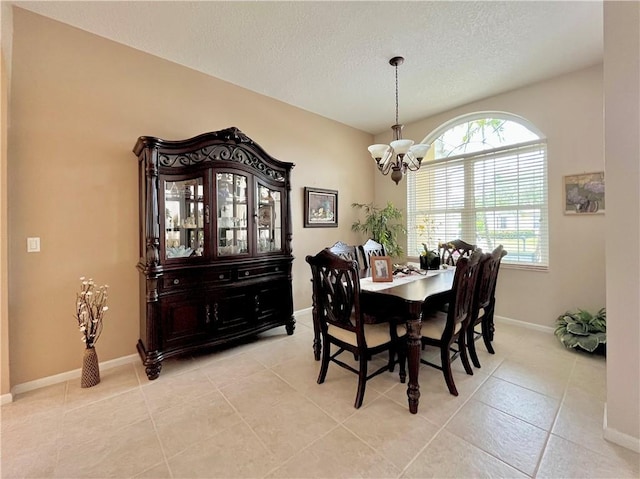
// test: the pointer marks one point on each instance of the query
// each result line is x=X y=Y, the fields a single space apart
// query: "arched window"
x=485 y=182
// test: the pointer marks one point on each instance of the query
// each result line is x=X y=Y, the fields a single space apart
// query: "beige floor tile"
x=113 y=381
x=337 y=396
x=448 y=456
x=27 y=405
x=37 y=461
x=258 y=399
x=547 y=380
x=590 y=376
x=436 y=403
x=290 y=425
x=103 y=417
x=339 y=454
x=389 y=429
x=159 y=471
x=580 y=420
x=256 y=391
x=565 y=459
x=511 y=440
x=29 y=445
x=230 y=370
x=194 y=420
x=530 y=406
x=170 y=391
x=234 y=453
x=124 y=453
x=284 y=348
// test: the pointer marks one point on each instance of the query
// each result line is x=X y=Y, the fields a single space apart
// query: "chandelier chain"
x=396 y=94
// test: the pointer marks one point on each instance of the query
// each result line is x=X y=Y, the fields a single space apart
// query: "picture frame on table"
x=320 y=208
x=381 y=269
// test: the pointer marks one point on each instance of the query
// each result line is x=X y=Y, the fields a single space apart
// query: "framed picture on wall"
x=584 y=193
x=320 y=208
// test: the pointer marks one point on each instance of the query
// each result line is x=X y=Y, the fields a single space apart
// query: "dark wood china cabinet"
x=215 y=243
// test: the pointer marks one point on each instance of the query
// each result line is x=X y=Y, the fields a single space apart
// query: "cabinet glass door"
x=268 y=219
x=232 y=214
x=184 y=218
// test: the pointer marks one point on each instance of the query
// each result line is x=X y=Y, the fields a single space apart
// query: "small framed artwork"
x=320 y=208
x=584 y=194
x=381 y=269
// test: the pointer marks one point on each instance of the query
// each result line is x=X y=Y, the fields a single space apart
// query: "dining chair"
x=451 y=251
x=484 y=305
x=369 y=249
x=336 y=306
x=345 y=251
x=444 y=329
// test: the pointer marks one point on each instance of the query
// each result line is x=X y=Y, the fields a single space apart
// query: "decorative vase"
x=90 y=368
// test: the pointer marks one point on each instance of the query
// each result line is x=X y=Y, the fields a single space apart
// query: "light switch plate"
x=33 y=245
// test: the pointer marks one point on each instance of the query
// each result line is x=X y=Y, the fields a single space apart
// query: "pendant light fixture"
x=400 y=155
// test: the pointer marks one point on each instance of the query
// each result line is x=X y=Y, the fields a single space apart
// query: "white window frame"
x=469 y=159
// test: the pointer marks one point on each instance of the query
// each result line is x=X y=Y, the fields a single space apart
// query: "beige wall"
x=5 y=63
x=622 y=153
x=568 y=110
x=78 y=104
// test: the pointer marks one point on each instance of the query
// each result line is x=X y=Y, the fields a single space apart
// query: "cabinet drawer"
x=181 y=280
x=260 y=271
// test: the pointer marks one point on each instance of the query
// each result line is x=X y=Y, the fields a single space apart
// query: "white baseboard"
x=619 y=438
x=66 y=376
x=523 y=324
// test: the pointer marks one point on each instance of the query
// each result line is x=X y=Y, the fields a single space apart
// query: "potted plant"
x=382 y=225
x=583 y=330
x=429 y=259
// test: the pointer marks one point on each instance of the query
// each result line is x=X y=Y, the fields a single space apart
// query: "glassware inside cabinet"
x=184 y=218
x=269 y=226
x=232 y=214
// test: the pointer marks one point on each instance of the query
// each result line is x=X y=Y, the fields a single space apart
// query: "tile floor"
x=255 y=410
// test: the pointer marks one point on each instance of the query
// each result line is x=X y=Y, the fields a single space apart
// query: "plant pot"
x=433 y=263
x=90 y=368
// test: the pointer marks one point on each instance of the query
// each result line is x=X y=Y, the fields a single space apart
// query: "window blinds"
x=487 y=198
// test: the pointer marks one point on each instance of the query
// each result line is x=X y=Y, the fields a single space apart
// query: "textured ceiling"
x=331 y=58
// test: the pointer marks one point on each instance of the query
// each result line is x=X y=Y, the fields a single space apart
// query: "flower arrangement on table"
x=91 y=306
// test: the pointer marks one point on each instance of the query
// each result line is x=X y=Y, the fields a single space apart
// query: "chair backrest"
x=336 y=292
x=345 y=251
x=463 y=291
x=369 y=249
x=451 y=251
x=486 y=290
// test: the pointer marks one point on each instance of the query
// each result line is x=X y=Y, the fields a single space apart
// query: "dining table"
x=402 y=300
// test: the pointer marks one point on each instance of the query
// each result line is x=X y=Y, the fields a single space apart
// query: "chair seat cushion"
x=375 y=334
x=433 y=325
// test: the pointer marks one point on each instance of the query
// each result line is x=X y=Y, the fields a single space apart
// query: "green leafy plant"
x=382 y=225
x=581 y=329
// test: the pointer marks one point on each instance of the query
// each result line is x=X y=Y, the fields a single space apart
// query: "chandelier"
x=400 y=155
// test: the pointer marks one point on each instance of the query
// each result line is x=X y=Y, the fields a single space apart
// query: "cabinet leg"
x=152 y=361
x=153 y=370
x=290 y=326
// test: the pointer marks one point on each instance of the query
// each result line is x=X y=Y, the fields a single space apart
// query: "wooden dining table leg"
x=414 y=347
